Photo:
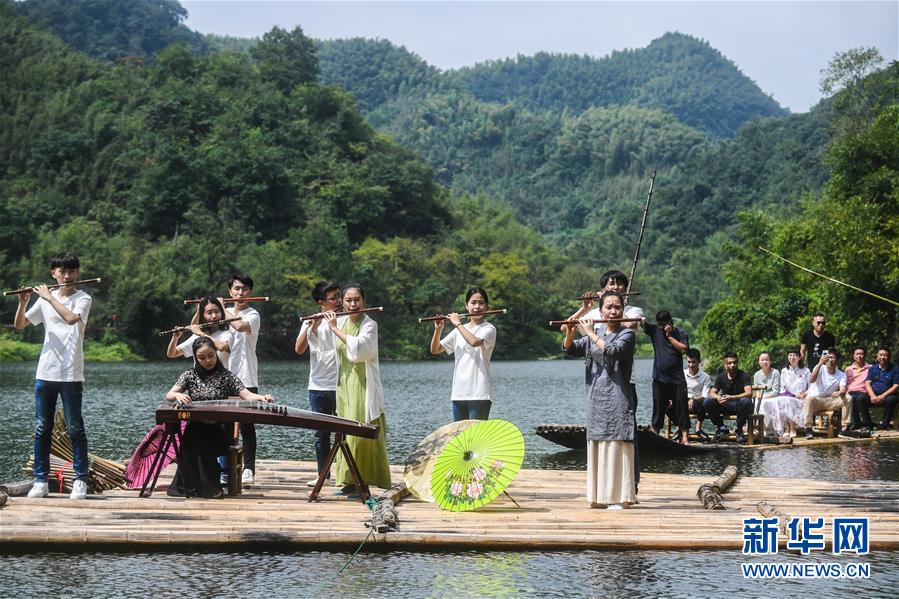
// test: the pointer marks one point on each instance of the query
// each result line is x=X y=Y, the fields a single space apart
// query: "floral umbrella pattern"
x=477 y=465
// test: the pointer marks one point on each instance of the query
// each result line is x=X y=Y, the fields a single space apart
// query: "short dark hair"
x=615 y=275
x=663 y=316
x=765 y=352
x=474 y=290
x=860 y=347
x=886 y=349
x=322 y=289
x=64 y=260
x=731 y=354
x=349 y=286
x=817 y=314
x=243 y=278
x=833 y=352
x=694 y=354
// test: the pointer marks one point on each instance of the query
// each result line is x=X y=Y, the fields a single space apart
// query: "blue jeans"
x=323 y=402
x=474 y=409
x=45 y=395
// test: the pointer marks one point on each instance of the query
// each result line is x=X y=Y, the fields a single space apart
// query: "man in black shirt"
x=813 y=343
x=731 y=394
x=668 y=383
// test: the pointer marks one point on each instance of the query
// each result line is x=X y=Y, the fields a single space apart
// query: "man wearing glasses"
x=813 y=343
x=322 y=365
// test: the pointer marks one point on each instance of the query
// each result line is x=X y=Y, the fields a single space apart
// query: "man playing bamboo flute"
x=323 y=367
x=60 y=369
x=243 y=360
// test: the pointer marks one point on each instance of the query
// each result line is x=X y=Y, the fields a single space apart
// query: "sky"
x=781 y=45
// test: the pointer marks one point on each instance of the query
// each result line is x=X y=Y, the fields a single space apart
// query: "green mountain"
x=113 y=30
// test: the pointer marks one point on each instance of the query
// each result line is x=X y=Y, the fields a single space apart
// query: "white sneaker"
x=247 y=477
x=39 y=490
x=311 y=483
x=616 y=506
x=79 y=490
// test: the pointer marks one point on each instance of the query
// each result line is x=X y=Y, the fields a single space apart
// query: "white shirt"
x=62 y=356
x=471 y=377
x=243 y=350
x=698 y=385
x=323 y=365
x=827 y=383
x=225 y=336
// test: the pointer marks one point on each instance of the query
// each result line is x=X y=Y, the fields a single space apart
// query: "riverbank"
x=14 y=350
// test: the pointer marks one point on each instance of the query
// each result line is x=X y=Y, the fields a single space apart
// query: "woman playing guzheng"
x=202 y=443
x=359 y=393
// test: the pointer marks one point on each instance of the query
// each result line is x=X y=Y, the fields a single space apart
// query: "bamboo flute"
x=598 y=294
x=231 y=300
x=465 y=315
x=322 y=314
x=555 y=323
x=204 y=325
x=51 y=287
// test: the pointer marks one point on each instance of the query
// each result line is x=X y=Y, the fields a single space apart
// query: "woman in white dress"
x=784 y=412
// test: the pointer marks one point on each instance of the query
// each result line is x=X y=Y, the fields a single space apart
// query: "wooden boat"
x=574 y=436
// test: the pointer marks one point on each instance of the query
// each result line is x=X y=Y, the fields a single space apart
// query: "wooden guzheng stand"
x=238 y=410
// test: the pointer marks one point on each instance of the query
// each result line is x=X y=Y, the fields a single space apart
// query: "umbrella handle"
x=506 y=493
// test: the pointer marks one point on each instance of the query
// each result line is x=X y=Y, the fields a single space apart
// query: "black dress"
x=203 y=442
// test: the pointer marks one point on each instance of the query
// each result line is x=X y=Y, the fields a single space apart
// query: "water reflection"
x=405 y=574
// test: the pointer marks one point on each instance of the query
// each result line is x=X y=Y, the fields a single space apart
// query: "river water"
x=120 y=400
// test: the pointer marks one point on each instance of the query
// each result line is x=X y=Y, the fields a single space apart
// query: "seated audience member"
x=698 y=386
x=882 y=386
x=731 y=394
x=827 y=391
x=784 y=412
x=856 y=375
x=767 y=377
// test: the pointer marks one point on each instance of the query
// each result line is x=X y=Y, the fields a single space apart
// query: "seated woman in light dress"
x=766 y=377
x=784 y=412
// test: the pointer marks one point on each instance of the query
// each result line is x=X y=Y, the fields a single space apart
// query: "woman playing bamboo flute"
x=472 y=343
x=198 y=470
x=210 y=309
x=359 y=393
x=610 y=405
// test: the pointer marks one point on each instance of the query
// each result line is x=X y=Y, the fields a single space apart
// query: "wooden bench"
x=828 y=421
x=755 y=428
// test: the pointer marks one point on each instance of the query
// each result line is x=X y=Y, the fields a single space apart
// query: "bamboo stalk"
x=22 y=290
x=347 y=313
x=710 y=494
x=464 y=315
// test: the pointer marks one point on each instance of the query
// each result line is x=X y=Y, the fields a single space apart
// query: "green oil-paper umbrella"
x=477 y=465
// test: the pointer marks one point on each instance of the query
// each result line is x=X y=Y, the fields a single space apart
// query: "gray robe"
x=610 y=401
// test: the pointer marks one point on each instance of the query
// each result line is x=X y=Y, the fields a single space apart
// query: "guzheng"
x=257 y=412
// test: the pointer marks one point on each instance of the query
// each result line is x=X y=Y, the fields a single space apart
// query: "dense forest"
x=168 y=159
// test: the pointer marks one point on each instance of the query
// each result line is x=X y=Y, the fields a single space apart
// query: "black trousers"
x=248 y=432
x=697 y=409
x=670 y=394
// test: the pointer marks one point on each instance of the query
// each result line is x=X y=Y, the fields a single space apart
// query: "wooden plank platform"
x=553 y=515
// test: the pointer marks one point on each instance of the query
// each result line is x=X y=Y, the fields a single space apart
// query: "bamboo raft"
x=554 y=515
